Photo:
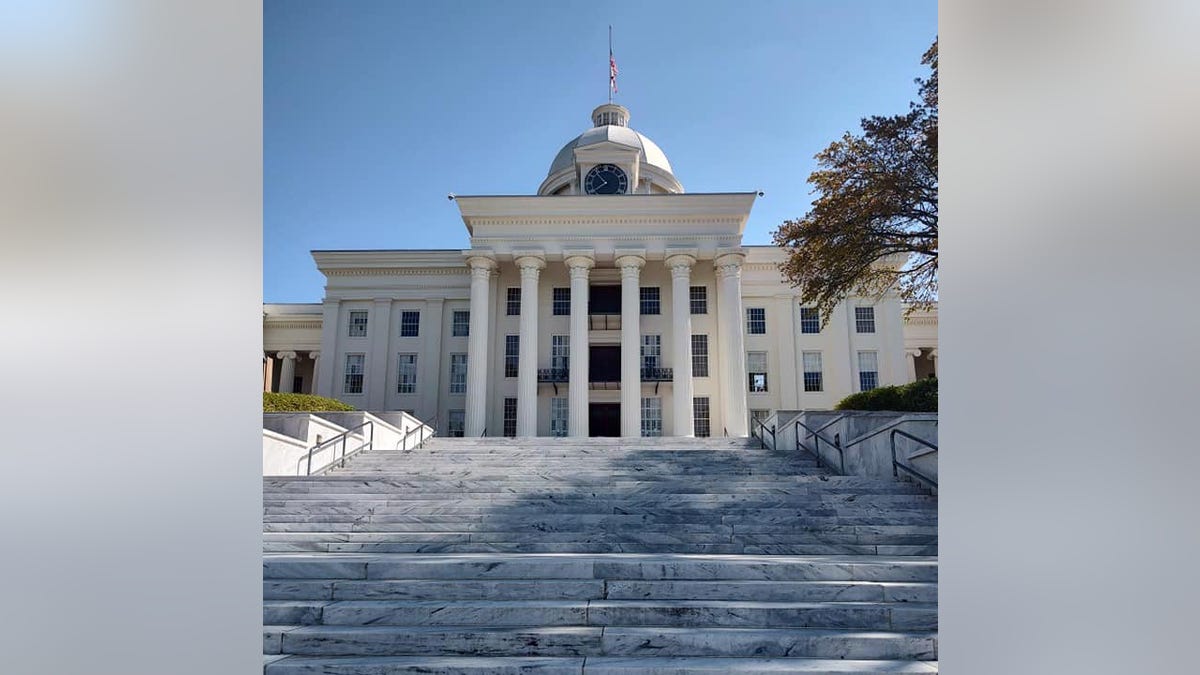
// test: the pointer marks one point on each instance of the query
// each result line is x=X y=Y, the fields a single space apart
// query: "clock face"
x=606 y=179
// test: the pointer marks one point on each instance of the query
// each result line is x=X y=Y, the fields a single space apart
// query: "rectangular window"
x=562 y=302
x=407 y=382
x=460 y=325
x=649 y=300
x=868 y=371
x=456 y=423
x=812 y=372
x=410 y=323
x=652 y=416
x=756 y=321
x=699 y=299
x=358 y=324
x=651 y=352
x=560 y=352
x=512 y=349
x=514 y=302
x=510 y=417
x=700 y=416
x=558 y=417
x=458 y=373
x=810 y=320
x=864 y=319
x=353 y=382
x=699 y=356
x=756 y=371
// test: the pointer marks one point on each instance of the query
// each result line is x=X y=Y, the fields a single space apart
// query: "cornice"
x=396 y=271
x=529 y=221
x=293 y=324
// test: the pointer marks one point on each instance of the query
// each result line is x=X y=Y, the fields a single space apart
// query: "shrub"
x=919 y=396
x=277 y=402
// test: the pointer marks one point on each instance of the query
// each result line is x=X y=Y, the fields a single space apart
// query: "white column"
x=631 y=344
x=477 y=345
x=330 y=326
x=729 y=269
x=316 y=359
x=681 y=333
x=379 y=372
x=531 y=268
x=288 y=374
x=577 y=377
x=912 y=355
x=933 y=357
x=268 y=370
x=431 y=362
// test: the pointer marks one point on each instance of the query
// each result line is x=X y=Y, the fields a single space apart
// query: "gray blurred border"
x=1068 y=337
x=131 y=263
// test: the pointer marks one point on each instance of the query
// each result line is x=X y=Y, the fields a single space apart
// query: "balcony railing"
x=553 y=375
x=657 y=374
x=604 y=321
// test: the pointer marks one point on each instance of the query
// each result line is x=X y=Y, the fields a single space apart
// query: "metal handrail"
x=762 y=441
x=404 y=441
x=884 y=428
x=896 y=465
x=342 y=437
x=816 y=449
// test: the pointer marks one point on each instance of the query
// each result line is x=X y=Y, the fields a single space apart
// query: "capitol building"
x=611 y=303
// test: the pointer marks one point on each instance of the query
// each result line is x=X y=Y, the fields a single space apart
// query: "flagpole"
x=610 y=60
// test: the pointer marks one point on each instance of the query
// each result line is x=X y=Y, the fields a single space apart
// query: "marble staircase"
x=597 y=556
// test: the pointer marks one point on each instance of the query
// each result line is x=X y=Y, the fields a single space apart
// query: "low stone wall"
x=284 y=432
x=864 y=436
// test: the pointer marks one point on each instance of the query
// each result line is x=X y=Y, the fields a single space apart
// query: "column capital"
x=729 y=262
x=531 y=260
x=314 y=355
x=680 y=264
x=914 y=353
x=579 y=260
x=629 y=262
x=933 y=354
x=480 y=259
x=286 y=355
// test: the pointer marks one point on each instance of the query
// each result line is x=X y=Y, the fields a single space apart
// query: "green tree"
x=873 y=225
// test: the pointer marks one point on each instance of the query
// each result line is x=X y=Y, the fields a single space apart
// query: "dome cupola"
x=610 y=159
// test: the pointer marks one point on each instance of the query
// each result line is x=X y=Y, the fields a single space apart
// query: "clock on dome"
x=606 y=179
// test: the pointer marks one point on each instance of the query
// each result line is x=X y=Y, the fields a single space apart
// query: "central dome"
x=610 y=122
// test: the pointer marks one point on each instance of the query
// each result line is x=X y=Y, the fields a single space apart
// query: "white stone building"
x=611 y=303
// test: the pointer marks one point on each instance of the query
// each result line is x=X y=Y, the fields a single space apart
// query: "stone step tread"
x=650 y=566
x=595 y=589
x=592 y=665
x=602 y=548
x=852 y=643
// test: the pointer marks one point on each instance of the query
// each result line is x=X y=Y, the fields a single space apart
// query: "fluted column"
x=316 y=359
x=287 y=375
x=913 y=355
x=268 y=370
x=933 y=356
x=681 y=334
x=477 y=361
x=729 y=318
x=531 y=268
x=577 y=377
x=631 y=347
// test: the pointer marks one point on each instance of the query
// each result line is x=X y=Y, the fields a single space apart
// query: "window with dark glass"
x=698 y=296
x=409 y=324
x=756 y=321
x=512 y=348
x=561 y=302
x=513 y=302
x=649 y=300
x=810 y=320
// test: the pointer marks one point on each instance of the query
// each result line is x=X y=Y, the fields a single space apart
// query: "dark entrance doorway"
x=604 y=364
x=604 y=419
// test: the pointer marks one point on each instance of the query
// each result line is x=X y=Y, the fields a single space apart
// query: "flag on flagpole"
x=612 y=68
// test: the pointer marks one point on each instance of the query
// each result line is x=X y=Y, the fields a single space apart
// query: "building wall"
x=438 y=294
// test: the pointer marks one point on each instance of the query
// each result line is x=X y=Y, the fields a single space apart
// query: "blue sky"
x=374 y=111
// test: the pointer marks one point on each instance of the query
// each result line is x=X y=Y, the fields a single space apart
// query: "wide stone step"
x=677 y=613
x=777 y=520
x=466 y=665
x=658 y=535
x=613 y=566
x=603 y=548
x=597 y=589
x=597 y=641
